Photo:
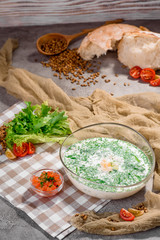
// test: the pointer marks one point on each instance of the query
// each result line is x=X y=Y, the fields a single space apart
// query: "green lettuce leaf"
x=37 y=124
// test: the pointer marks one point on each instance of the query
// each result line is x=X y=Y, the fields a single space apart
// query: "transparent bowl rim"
x=146 y=179
x=47 y=169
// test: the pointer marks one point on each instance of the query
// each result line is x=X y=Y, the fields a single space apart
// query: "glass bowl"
x=45 y=193
x=112 y=131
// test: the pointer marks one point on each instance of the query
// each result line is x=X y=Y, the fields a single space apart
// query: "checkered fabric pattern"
x=51 y=214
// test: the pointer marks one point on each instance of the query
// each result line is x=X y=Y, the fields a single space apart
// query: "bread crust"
x=103 y=39
x=140 y=48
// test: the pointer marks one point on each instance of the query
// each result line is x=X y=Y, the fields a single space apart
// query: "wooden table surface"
x=40 y=12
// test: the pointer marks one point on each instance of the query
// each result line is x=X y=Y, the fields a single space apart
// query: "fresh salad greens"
x=37 y=124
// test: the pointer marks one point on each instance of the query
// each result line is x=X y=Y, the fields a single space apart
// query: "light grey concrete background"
x=15 y=224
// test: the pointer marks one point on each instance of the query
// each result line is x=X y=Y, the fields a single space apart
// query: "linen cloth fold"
x=139 y=111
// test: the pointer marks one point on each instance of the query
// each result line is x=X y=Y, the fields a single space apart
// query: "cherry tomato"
x=147 y=74
x=135 y=72
x=125 y=215
x=24 y=149
x=31 y=148
x=155 y=82
x=17 y=150
x=20 y=151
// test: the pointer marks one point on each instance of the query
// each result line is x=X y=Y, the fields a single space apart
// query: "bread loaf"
x=141 y=49
x=104 y=38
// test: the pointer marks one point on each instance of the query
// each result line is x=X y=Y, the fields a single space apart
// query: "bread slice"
x=103 y=39
x=140 y=49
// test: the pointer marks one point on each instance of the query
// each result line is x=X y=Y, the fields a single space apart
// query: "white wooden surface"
x=42 y=12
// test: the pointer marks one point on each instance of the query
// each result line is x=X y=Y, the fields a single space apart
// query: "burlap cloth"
x=139 y=111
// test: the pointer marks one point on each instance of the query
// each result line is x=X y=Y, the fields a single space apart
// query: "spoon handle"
x=85 y=31
x=71 y=37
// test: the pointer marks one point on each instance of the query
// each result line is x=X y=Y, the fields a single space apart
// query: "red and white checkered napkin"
x=51 y=214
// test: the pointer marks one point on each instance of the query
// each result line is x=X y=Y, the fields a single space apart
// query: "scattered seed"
x=107 y=81
x=141 y=207
x=76 y=215
x=123 y=66
x=2 y=138
x=82 y=214
x=103 y=76
x=72 y=66
x=85 y=217
x=55 y=74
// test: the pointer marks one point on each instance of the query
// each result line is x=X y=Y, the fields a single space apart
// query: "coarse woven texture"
x=51 y=214
x=112 y=224
x=139 y=111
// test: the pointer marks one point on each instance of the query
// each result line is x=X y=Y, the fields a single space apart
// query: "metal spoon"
x=66 y=39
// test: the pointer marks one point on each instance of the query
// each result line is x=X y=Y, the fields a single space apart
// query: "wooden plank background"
x=42 y=12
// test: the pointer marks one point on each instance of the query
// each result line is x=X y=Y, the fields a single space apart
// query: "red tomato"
x=20 y=151
x=155 y=82
x=147 y=74
x=135 y=72
x=125 y=215
x=24 y=149
x=17 y=150
x=31 y=148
